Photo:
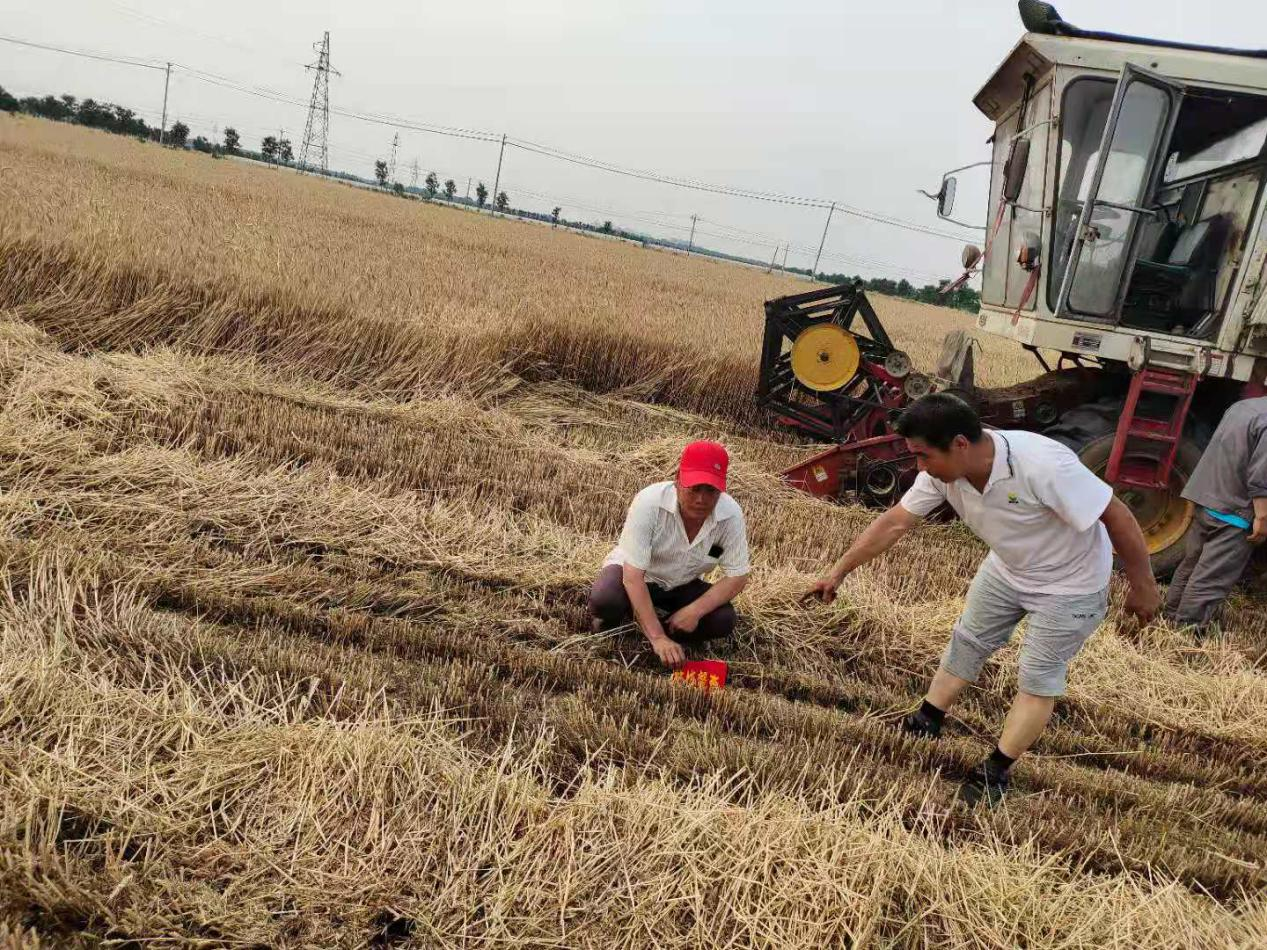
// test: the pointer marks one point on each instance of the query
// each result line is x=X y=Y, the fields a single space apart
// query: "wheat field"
x=301 y=491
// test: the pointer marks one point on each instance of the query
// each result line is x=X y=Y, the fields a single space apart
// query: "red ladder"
x=1149 y=472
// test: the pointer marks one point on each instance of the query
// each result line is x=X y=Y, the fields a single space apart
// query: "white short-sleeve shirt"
x=1040 y=514
x=654 y=539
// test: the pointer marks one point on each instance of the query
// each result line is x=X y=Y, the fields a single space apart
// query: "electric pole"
x=823 y=241
x=783 y=266
x=468 y=188
x=167 y=81
x=391 y=168
x=316 y=142
x=498 y=180
x=413 y=175
x=691 y=245
x=773 y=258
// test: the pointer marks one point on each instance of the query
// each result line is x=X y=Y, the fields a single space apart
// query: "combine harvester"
x=1127 y=234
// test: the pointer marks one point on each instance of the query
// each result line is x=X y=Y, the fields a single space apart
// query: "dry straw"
x=296 y=536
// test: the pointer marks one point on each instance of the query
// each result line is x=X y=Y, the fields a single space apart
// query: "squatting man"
x=675 y=532
x=1049 y=523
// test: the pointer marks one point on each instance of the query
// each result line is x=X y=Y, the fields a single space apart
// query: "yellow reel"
x=825 y=357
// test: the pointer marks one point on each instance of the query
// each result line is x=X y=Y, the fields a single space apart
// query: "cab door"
x=1131 y=155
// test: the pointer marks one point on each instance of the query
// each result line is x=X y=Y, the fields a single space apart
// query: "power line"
x=152 y=20
x=725 y=190
x=103 y=57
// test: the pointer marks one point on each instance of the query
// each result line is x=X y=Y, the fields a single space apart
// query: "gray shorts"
x=1059 y=624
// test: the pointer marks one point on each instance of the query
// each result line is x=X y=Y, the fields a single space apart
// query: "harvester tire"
x=1165 y=519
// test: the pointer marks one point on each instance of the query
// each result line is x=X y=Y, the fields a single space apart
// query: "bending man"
x=1230 y=485
x=1049 y=522
x=674 y=532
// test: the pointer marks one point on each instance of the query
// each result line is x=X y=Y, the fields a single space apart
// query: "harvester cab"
x=1125 y=247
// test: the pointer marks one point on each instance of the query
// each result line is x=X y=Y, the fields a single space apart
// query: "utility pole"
x=773 y=258
x=498 y=180
x=823 y=241
x=391 y=168
x=468 y=188
x=316 y=142
x=413 y=175
x=691 y=244
x=783 y=266
x=167 y=81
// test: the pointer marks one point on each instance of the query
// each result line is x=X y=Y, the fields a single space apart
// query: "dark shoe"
x=920 y=725
x=984 y=784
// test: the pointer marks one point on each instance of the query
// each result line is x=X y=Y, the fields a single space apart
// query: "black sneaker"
x=921 y=726
x=985 y=783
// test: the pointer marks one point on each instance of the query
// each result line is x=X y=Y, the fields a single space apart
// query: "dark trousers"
x=610 y=604
x=1216 y=556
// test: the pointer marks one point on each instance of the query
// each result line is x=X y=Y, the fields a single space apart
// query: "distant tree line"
x=124 y=121
x=89 y=112
x=964 y=298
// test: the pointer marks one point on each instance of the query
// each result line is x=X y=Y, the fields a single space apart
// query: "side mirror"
x=946 y=196
x=1014 y=169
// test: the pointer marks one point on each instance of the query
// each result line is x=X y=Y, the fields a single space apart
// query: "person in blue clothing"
x=1229 y=486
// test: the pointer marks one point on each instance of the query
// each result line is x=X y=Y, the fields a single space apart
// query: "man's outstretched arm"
x=878 y=537
x=1143 y=599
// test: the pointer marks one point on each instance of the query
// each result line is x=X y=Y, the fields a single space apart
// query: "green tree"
x=607 y=227
x=481 y=194
x=231 y=140
x=285 y=153
x=178 y=134
x=94 y=114
x=433 y=184
x=554 y=215
x=380 y=173
x=8 y=101
x=268 y=148
x=450 y=188
x=399 y=189
x=502 y=201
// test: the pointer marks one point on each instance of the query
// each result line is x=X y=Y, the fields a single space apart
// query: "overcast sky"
x=859 y=103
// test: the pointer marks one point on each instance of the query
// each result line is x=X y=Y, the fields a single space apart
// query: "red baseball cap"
x=704 y=463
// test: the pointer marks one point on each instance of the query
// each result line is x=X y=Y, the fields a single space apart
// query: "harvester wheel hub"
x=825 y=357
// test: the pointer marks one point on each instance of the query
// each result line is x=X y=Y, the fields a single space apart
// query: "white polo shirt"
x=1040 y=515
x=654 y=539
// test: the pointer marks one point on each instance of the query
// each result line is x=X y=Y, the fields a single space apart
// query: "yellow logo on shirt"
x=1012 y=499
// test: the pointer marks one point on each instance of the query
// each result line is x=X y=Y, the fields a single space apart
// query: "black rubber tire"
x=1089 y=431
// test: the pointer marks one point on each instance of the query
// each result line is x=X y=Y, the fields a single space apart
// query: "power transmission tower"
x=391 y=166
x=413 y=175
x=316 y=143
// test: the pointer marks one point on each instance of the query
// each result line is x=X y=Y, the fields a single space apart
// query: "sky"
x=861 y=104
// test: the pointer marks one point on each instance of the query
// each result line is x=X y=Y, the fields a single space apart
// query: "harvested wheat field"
x=301 y=491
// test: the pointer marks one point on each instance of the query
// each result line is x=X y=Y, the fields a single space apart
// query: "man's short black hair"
x=937 y=418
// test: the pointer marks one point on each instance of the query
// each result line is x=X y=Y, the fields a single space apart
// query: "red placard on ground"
x=706 y=674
